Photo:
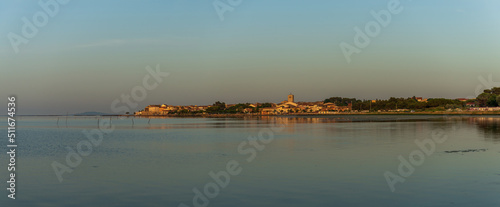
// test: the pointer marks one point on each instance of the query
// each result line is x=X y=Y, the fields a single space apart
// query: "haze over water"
x=312 y=161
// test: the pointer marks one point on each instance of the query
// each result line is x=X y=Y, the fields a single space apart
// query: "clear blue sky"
x=92 y=51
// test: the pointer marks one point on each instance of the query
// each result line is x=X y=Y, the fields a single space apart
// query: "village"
x=285 y=107
x=289 y=106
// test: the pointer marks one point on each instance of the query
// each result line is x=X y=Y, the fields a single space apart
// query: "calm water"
x=306 y=161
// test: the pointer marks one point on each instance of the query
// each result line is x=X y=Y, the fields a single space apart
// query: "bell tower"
x=290 y=98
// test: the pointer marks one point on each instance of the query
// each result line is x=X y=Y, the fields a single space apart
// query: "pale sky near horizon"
x=91 y=52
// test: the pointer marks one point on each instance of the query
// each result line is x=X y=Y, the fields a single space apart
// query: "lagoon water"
x=306 y=161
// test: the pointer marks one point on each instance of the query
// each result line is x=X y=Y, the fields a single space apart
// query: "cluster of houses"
x=484 y=109
x=288 y=106
x=285 y=107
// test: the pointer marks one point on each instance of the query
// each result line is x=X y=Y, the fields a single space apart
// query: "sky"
x=90 y=53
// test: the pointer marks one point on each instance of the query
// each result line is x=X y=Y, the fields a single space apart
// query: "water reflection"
x=489 y=127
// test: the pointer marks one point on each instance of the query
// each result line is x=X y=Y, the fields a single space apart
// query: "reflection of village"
x=489 y=126
x=288 y=106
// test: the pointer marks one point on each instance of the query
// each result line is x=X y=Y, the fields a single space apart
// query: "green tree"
x=482 y=99
x=492 y=101
x=494 y=91
x=339 y=101
x=266 y=105
x=263 y=105
x=217 y=107
x=184 y=111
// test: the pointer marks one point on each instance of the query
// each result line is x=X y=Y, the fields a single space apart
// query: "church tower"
x=290 y=97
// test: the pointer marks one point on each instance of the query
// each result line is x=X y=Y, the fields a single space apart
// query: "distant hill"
x=92 y=113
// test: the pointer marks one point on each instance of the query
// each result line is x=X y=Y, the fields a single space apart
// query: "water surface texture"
x=303 y=161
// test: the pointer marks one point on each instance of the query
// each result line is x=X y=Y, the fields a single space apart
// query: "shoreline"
x=290 y=114
x=313 y=114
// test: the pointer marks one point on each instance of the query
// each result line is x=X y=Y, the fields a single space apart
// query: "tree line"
x=489 y=98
